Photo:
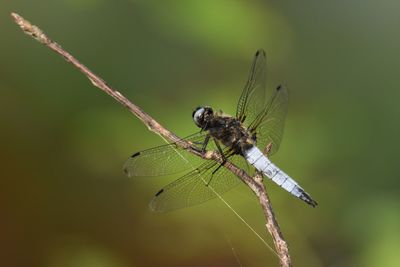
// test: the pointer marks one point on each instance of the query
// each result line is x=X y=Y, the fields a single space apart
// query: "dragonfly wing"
x=252 y=99
x=268 y=125
x=197 y=186
x=165 y=159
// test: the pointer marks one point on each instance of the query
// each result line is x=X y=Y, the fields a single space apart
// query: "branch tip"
x=30 y=29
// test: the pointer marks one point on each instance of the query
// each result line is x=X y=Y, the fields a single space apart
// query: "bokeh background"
x=64 y=200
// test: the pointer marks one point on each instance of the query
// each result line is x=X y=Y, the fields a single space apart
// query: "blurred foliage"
x=64 y=199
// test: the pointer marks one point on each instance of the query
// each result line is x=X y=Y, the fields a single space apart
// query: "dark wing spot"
x=159 y=192
x=279 y=87
x=135 y=155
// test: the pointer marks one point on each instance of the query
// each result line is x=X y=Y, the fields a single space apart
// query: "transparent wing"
x=197 y=186
x=165 y=159
x=252 y=99
x=268 y=125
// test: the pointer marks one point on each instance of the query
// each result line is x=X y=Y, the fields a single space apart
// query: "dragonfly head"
x=202 y=115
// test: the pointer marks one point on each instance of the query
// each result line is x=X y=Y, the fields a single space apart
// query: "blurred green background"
x=64 y=200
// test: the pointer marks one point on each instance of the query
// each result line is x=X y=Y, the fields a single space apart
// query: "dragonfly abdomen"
x=256 y=158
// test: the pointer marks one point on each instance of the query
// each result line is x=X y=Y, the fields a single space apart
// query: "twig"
x=272 y=224
x=255 y=184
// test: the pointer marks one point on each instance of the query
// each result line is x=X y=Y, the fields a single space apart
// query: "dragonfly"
x=258 y=123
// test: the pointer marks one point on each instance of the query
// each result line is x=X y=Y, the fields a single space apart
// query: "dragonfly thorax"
x=226 y=129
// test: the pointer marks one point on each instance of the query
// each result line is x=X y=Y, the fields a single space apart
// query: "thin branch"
x=255 y=184
x=272 y=224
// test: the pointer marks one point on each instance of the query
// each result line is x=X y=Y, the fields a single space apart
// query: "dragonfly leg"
x=205 y=143
x=205 y=127
x=220 y=165
x=220 y=151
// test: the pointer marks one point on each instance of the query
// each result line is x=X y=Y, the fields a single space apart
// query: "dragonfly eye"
x=198 y=116
x=194 y=111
